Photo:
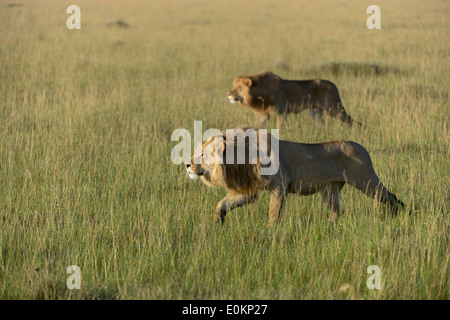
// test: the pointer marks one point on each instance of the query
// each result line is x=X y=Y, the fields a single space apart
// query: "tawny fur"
x=267 y=94
x=304 y=169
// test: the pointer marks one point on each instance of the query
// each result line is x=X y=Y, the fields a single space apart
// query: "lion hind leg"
x=375 y=189
x=330 y=196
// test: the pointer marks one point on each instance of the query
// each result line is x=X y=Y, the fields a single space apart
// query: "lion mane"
x=244 y=178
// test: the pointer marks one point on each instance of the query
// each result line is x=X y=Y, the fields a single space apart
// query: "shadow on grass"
x=356 y=69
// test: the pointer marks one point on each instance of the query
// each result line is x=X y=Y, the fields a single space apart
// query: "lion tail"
x=345 y=117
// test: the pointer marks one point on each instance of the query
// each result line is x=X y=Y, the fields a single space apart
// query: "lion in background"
x=266 y=94
x=303 y=169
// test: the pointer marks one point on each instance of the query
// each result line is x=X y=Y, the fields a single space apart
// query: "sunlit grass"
x=85 y=171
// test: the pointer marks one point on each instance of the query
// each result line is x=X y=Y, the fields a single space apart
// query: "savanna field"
x=86 y=176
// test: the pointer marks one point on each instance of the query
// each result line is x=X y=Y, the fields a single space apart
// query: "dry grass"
x=85 y=170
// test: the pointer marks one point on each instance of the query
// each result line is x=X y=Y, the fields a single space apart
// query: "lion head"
x=254 y=90
x=205 y=163
x=214 y=167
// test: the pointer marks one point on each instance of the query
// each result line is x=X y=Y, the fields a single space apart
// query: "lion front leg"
x=281 y=118
x=230 y=202
x=261 y=119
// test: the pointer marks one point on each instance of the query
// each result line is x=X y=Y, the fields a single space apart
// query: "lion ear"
x=219 y=150
x=213 y=152
x=247 y=82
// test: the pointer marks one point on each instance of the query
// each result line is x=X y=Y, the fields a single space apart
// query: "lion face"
x=206 y=160
x=254 y=91
x=240 y=92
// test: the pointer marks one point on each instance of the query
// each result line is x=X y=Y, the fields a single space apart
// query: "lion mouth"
x=232 y=100
x=194 y=176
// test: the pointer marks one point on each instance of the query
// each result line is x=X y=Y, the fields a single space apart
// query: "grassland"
x=85 y=171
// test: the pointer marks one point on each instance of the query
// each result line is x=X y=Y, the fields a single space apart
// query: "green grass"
x=85 y=171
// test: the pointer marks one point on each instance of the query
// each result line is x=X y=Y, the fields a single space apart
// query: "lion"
x=302 y=169
x=266 y=94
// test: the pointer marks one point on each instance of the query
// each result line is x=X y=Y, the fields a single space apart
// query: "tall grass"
x=85 y=171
